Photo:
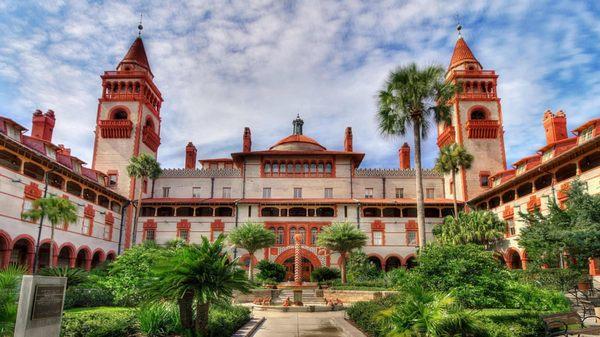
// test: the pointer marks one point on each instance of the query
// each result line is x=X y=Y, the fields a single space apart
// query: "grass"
x=98 y=310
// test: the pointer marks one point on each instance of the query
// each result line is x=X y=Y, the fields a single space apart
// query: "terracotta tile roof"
x=376 y=172
x=298 y=139
x=462 y=53
x=137 y=55
x=184 y=173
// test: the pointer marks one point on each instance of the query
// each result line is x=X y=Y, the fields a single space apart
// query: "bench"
x=568 y=324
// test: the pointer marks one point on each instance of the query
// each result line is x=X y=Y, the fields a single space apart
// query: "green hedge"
x=365 y=314
x=224 y=320
x=99 y=322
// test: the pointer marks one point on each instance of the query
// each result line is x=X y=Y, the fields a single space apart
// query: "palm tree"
x=452 y=158
x=478 y=227
x=251 y=237
x=409 y=98
x=56 y=210
x=10 y=280
x=142 y=167
x=197 y=274
x=342 y=237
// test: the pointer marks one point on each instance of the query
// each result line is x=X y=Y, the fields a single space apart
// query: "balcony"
x=447 y=137
x=483 y=129
x=477 y=95
x=120 y=128
x=150 y=138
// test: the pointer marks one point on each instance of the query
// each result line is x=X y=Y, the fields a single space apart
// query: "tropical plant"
x=56 y=210
x=429 y=314
x=343 y=238
x=324 y=274
x=142 y=167
x=410 y=98
x=270 y=271
x=74 y=276
x=251 y=237
x=196 y=275
x=10 y=278
x=159 y=319
x=478 y=227
x=452 y=158
x=360 y=269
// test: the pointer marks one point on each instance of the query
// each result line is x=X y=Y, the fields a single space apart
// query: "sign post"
x=40 y=306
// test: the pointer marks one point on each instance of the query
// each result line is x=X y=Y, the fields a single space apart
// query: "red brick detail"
x=89 y=211
x=533 y=203
x=563 y=192
x=348 y=140
x=508 y=213
x=32 y=191
x=150 y=138
x=247 y=141
x=183 y=224
x=43 y=125
x=109 y=219
x=273 y=251
x=118 y=128
x=190 y=156
x=555 y=126
x=150 y=224
x=404 y=156
x=447 y=136
x=483 y=129
x=217 y=225
x=377 y=225
x=411 y=225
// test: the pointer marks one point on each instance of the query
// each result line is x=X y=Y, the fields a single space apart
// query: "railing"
x=482 y=129
x=120 y=128
x=150 y=138
x=474 y=72
x=447 y=137
x=477 y=95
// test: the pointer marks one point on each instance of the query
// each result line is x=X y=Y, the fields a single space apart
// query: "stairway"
x=308 y=297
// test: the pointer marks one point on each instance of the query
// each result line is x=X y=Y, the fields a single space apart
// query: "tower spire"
x=297 y=123
x=140 y=27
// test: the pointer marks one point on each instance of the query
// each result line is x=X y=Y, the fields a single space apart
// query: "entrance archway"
x=393 y=262
x=4 y=249
x=309 y=263
x=23 y=252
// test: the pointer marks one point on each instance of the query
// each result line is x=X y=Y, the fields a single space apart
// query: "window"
x=399 y=193
x=478 y=114
x=586 y=135
x=112 y=179
x=226 y=192
x=484 y=180
x=145 y=186
x=184 y=234
x=86 y=226
x=196 y=192
x=150 y=234
x=510 y=228
x=166 y=191
x=377 y=238
x=313 y=236
x=108 y=228
x=328 y=193
x=267 y=168
x=292 y=234
x=547 y=155
x=34 y=171
x=266 y=192
x=297 y=192
x=302 y=233
x=328 y=168
x=280 y=236
x=10 y=160
x=411 y=237
x=429 y=193
x=521 y=168
x=368 y=193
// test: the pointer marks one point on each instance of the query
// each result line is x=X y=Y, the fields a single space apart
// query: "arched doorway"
x=65 y=255
x=23 y=252
x=110 y=257
x=374 y=260
x=410 y=262
x=4 y=250
x=309 y=262
x=392 y=262
x=43 y=260
x=83 y=256
x=97 y=258
x=514 y=260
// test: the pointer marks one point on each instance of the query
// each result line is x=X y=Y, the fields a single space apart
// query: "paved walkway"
x=303 y=324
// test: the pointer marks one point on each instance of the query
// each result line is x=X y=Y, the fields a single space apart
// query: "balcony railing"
x=150 y=138
x=477 y=95
x=482 y=129
x=120 y=128
x=447 y=137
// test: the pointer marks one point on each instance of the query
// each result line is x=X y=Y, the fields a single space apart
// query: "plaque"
x=47 y=301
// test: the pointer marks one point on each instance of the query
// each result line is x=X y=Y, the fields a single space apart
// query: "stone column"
x=297 y=260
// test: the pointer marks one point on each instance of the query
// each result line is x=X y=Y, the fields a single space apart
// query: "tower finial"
x=297 y=123
x=140 y=27
x=458 y=25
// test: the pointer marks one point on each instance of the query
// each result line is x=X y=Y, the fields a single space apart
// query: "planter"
x=583 y=285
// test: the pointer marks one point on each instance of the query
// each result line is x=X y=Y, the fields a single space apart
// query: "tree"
x=478 y=227
x=573 y=230
x=452 y=158
x=10 y=282
x=410 y=98
x=196 y=275
x=342 y=237
x=56 y=210
x=251 y=237
x=142 y=167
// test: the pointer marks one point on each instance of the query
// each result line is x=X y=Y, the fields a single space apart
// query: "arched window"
x=477 y=114
x=269 y=211
x=148 y=211
x=590 y=161
x=298 y=168
x=524 y=189
x=275 y=167
x=89 y=195
x=371 y=212
x=103 y=201
x=566 y=172
x=115 y=206
x=282 y=167
x=292 y=234
x=313 y=167
x=320 y=169
x=224 y=211
x=392 y=212
x=297 y=211
x=73 y=188
x=313 y=236
x=328 y=168
x=302 y=233
x=55 y=180
x=280 y=236
x=119 y=114
x=267 y=168
x=165 y=211
x=149 y=123
x=432 y=212
x=306 y=168
x=494 y=202
x=10 y=161
x=508 y=196
x=325 y=211
x=185 y=211
x=204 y=211
x=409 y=212
x=543 y=182
x=290 y=168
x=447 y=212
x=33 y=171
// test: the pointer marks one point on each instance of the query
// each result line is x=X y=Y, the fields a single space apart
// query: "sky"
x=224 y=65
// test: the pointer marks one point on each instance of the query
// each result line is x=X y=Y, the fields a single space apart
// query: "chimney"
x=63 y=150
x=348 y=140
x=43 y=125
x=190 y=156
x=247 y=144
x=555 y=126
x=404 y=156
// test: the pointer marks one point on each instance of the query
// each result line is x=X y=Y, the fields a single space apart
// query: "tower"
x=476 y=123
x=128 y=119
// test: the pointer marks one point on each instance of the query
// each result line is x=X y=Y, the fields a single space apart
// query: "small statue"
x=266 y=301
x=287 y=302
x=257 y=300
x=338 y=302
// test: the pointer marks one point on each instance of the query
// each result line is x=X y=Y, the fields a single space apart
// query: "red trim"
x=303 y=252
x=32 y=191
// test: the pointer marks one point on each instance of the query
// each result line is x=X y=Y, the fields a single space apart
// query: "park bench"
x=568 y=324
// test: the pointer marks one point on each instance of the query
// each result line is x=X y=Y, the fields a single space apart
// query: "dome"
x=298 y=143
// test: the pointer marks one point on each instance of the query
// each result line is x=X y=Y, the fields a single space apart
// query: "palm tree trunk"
x=137 y=214
x=202 y=318
x=186 y=312
x=51 y=252
x=343 y=266
x=454 y=195
x=419 y=187
x=251 y=266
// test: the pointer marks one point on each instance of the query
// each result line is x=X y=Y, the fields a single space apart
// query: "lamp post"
x=39 y=236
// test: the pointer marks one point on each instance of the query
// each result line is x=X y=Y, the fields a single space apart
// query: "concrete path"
x=305 y=324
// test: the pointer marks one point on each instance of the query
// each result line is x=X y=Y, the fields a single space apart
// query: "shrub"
x=323 y=274
x=224 y=320
x=555 y=278
x=360 y=269
x=270 y=271
x=528 y=296
x=82 y=296
x=159 y=319
x=74 y=276
x=401 y=279
x=365 y=314
x=10 y=281
x=99 y=322
x=511 y=323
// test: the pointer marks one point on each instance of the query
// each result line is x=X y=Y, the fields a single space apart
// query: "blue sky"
x=223 y=65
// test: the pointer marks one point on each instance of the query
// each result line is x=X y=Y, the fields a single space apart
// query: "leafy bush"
x=528 y=296
x=323 y=274
x=99 y=322
x=224 y=320
x=365 y=314
x=83 y=296
x=511 y=322
x=74 y=276
x=555 y=278
x=360 y=269
x=160 y=319
x=270 y=271
x=10 y=281
x=401 y=279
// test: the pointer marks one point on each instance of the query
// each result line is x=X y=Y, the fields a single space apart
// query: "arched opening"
x=149 y=123
x=325 y=211
x=43 y=260
x=10 y=161
x=482 y=206
x=589 y=162
x=297 y=211
x=374 y=260
x=566 y=172
x=34 y=171
x=4 y=248
x=73 y=188
x=119 y=114
x=392 y=262
x=22 y=253
x=148 y=211
x=204 y=211
x=515 y=260
x=432 y=212
x=477 y=114
x=185 y=211
x=110 y=257
x=494 y=202
x=280 y=236
x=308 y=263
x=543 y=182
x=448 y=211
x=372 y=212
x=97 y=259
x=392 y=212
x=89 y=195
x=81 y=259
x=500 y=258
x=224 y=211
x=508 y=196
x=524 y=189
x=165 y=211
x=411 y=262
x=409 y=212
x=115 y=206
x=103 y=201
x=269 y=211
x=65 y=255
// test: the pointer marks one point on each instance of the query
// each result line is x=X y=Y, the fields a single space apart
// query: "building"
x=297 y=186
